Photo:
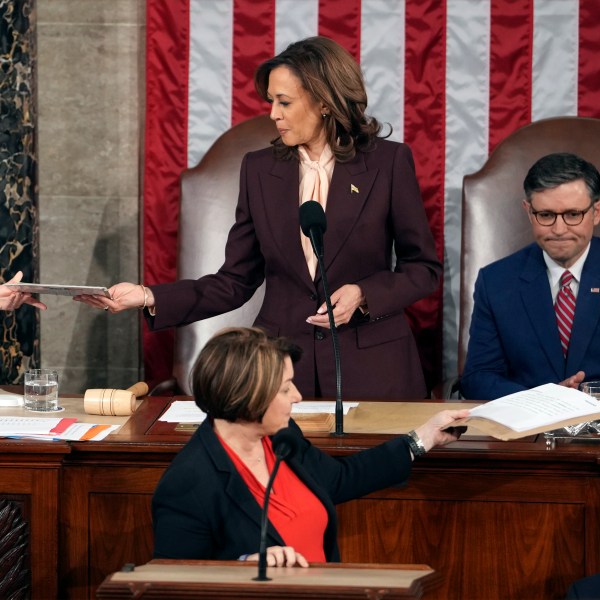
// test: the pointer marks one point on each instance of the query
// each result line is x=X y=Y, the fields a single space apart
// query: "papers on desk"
x=183 y=411
x=9 y=399
x=41 y=428
x=186 y=411
x=320 y=408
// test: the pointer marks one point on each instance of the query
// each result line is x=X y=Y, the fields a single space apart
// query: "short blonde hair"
x=239 y=372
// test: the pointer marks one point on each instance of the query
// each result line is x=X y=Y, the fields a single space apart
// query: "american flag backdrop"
x=452 y=77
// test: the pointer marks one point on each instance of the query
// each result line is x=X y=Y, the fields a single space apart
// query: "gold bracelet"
x=145 y=296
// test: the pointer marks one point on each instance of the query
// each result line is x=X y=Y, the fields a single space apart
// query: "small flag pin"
x=595 y=290
x=353 y=189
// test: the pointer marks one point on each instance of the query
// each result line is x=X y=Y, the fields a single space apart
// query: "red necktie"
x=565 y=310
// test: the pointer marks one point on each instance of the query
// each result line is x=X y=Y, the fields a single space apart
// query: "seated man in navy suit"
x=536 y=317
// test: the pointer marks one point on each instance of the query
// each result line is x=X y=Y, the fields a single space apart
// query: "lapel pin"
x=353 y=189
x=595 y=290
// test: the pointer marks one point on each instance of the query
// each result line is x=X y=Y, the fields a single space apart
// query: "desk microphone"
x=314 y=224
x=285 y=445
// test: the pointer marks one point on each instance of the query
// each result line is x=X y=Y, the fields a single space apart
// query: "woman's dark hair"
x=553 y=170
x=239 y=372
x=333 y=78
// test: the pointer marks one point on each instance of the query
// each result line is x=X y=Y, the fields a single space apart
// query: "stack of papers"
x=53 y=429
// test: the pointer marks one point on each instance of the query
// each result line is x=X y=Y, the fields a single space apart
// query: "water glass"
x=592 y=388
x=41 y=390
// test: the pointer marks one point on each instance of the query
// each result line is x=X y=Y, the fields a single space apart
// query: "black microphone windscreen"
x=285 y=443
x=312 y=215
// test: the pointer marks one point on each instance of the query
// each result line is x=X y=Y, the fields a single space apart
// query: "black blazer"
x=202 y=509
x=374 y=207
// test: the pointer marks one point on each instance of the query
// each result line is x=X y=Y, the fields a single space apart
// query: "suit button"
x=313 y=297
x=319 y=335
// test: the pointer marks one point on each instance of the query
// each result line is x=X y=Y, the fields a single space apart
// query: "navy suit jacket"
x=514 y=343
x=202 y=508
x=374 y=207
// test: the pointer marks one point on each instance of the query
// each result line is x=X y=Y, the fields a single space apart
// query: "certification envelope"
x=60 y=290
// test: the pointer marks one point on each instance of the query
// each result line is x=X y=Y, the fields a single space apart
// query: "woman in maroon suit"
x=330 y=151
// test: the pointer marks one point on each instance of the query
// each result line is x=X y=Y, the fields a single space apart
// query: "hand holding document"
x=539 y=409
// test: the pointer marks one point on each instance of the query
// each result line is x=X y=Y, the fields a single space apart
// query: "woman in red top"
x=208 y=503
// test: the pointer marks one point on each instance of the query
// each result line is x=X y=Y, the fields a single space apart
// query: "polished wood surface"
x=497 y=520
x=234 y=580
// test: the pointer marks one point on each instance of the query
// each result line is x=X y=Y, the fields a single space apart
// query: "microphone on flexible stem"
x=314 y=224
x=285 y=445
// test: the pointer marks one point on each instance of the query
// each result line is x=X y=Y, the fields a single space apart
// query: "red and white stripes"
x=453 y=78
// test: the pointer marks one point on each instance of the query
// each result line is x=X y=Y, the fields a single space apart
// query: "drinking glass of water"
x=592 y=388
x=41 y=390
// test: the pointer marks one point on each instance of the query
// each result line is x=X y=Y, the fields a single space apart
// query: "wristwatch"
x=415 y=444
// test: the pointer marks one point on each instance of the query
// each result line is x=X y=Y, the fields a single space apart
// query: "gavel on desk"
x=113 y=402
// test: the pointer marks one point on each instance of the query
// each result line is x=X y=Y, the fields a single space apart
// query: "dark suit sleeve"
x=350 y=477
x=418 y=270
x=486 y=367
x=187 y=301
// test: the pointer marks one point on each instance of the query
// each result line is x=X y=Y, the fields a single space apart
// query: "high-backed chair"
x=493 y=222
x=209 y=193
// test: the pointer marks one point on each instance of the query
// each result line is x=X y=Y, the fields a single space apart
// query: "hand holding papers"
x=540 y=409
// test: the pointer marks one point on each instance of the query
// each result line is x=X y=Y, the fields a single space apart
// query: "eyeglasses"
x=547 y=218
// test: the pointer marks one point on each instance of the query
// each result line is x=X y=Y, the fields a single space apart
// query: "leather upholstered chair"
x=209 y=193
x=493 y=222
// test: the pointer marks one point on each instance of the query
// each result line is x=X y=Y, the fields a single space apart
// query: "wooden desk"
x=497 y=519
x=234 y=580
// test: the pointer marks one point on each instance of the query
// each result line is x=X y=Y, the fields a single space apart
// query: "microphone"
x=285 y=445
x=314 y=224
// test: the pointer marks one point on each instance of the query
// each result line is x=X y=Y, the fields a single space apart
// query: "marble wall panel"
x=19 y=339
x=90 y=104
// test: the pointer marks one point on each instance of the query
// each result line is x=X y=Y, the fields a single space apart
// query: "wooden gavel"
x=113 y=402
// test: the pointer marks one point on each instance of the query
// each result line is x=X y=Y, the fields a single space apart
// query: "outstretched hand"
x=439 y=430
x=123 y=296
x=11 y=299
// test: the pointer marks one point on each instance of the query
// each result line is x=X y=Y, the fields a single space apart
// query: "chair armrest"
x=168 y=387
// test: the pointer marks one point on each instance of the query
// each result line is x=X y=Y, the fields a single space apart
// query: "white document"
x=540 y=406
x=59 y=289
x=320 y=408
x=183 y=411
x=10 y=399
x=24 y=425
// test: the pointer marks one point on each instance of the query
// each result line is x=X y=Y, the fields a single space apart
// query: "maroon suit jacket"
x=374 y=207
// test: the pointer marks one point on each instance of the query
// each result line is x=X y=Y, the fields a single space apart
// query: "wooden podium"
x=233 y=580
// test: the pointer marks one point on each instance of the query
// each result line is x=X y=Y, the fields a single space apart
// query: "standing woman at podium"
x=330 y=151
x=208 y=503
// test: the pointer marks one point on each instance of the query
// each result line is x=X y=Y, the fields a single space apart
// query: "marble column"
x=19 y=230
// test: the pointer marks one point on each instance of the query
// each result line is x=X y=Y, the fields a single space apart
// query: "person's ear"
x=596 y=212
x=526 y=207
